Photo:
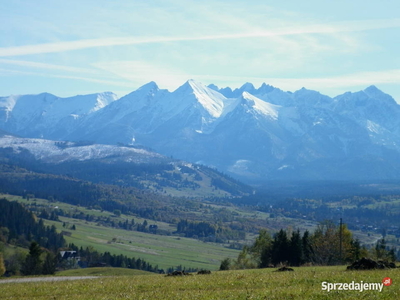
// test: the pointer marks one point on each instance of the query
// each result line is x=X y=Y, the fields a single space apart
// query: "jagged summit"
x=148 y=86
x=373 y=92
x=372 y=89
x=243 y=131
x=265 y=89
x=210 y=100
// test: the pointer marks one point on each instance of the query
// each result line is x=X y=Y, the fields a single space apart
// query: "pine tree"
x=33 y=263
x=225 y=264
x=380 y=249
x=296 y=249
x=280 y=248
x=307 y=248
x=49 y=265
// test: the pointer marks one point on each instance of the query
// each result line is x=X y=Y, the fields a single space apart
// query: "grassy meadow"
x=162 y=250
x=303 y=283
x=106 y=271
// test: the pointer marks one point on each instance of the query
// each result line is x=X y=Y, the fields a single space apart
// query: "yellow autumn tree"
x=334 y=245
x=2 y=267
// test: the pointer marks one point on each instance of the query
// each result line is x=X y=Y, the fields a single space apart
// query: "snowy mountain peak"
x=143 y=96
x=146 y=90
x=102 y=100
x=210 y=100
x=247 y=97
x=259 y=105
x=264 y=127
x=150 y=86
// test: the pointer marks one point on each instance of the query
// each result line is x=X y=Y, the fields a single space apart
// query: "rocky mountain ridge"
x=253 y=134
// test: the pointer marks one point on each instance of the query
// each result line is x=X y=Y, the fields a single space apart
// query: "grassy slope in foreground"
x=303 y=283
x=103 y=272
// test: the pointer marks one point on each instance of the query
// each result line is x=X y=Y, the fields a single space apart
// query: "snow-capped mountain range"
x=263 y=133
x=59 y=152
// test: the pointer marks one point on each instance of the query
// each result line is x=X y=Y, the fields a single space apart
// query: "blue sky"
x=80 y=47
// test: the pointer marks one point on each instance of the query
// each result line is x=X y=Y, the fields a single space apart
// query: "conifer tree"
x=33 y=263
x=225 y=264
x=307 y=248
x=296 y=249
x=49 y=265
x=280 y=248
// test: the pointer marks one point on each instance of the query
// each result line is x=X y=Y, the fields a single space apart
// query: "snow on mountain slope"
x=192 y=96
x=263 y=132
x=58 y=152
x=6 y=106
x=43 y=114
x=369 y=104
x=121 y=116
x=147 y=109
x=212 y=102
x=262 y=107
x=374 y=110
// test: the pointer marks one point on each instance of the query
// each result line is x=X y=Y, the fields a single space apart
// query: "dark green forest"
x=21 y=228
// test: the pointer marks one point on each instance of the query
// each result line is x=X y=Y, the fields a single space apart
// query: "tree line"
x=19 y=227
x=89 y=257
x=329 y=244
x=208 y=232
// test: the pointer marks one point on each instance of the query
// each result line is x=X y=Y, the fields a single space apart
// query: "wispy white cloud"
x=140 y=72
x=46 y=66
x=7 y=72
x=330 y=28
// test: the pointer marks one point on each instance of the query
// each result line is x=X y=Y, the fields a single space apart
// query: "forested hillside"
x=121 y=165
x=19 y=226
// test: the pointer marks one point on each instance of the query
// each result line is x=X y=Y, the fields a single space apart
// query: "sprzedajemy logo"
x=356 y=286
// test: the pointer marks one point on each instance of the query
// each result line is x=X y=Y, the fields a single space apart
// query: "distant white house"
x=70 y=255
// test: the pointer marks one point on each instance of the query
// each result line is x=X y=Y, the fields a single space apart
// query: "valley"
x=165 y=247
x=107 y=178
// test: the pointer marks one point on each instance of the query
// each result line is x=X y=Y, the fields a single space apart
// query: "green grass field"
x=103 y=272
x=303 y=283
x=164 y=251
